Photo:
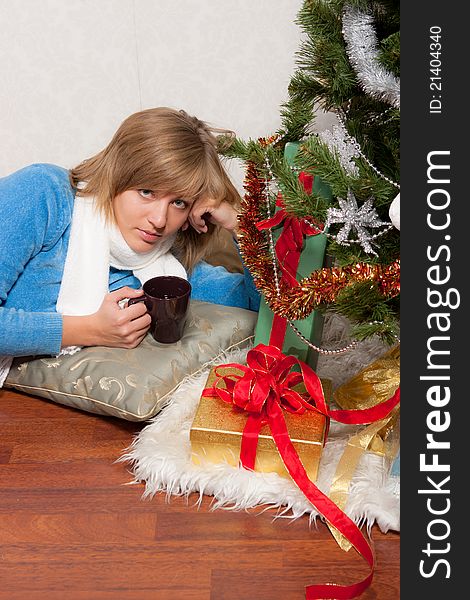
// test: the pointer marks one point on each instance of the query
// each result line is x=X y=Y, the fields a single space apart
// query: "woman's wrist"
x=78 y=331
x=232 y=222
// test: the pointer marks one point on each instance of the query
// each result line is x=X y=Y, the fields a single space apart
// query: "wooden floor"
x=71 y=529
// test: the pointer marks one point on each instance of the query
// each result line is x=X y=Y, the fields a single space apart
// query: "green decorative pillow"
x=133 y=384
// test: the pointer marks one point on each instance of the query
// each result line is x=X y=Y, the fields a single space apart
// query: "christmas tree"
x=348 y=64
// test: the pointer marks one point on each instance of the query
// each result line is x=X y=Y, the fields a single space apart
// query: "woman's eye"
x=180 y=203
x=146 y=193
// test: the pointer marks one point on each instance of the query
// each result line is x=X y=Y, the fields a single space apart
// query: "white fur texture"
x=160 y=456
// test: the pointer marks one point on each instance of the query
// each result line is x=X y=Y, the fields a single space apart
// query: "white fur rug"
x=160 y=456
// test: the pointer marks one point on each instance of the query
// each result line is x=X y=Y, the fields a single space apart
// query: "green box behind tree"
x=311 y=258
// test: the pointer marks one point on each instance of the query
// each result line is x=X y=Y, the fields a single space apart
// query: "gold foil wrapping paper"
x=217 y=429
x=374 y=384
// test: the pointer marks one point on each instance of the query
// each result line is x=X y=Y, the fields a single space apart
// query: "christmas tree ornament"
x=361 y=154
x=394 y=212
x=361 y=47
x=319 y=288
x=300 y=247
x=341 y=145
x=357 y=147
x=355 y=219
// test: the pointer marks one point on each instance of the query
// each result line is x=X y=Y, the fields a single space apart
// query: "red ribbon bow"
x=290 y=243
x=288 y=249
x=264 y=391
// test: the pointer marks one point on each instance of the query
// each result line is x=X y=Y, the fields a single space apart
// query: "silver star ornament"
x=355 y=219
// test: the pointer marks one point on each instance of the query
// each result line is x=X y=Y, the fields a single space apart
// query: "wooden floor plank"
x=72 y=450
x=115 y=594
x=87 y=528
x=71 y=526
x=125 y=574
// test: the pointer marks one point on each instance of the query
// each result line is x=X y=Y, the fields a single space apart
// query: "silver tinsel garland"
x=361 y=48
x=341 y=145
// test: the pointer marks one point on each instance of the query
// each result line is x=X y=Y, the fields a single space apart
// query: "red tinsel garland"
x=322 y=286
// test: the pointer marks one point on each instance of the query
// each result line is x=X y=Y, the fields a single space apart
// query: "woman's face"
x=145 y=218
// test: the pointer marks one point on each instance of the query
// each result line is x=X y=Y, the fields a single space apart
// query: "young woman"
x=76 y=244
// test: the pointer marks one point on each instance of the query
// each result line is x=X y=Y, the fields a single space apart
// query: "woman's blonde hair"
x=167 y=151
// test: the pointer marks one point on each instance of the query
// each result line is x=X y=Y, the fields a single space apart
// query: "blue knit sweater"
x=36 y=205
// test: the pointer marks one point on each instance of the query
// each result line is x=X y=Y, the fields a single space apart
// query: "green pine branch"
x=368 y=311
x=325 y=78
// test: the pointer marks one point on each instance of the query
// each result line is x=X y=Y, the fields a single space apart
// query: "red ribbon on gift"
x=290 y=243
x=288 y=249
x=264 y=391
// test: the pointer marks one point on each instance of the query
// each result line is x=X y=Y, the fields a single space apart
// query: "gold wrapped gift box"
x=374 y=384
x=217 y=429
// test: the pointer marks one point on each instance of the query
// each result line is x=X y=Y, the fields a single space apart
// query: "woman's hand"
x=110 y=325
x=219 y=213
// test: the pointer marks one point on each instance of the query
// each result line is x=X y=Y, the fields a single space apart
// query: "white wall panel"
x=72 y=70
x=227 y=61
x=69 y=75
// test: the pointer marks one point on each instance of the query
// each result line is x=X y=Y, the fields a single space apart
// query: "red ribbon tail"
x=326 y=507
x=278 y=217
x=367 y=415
x=278 y=331
x=307 y=181
x=250 y=437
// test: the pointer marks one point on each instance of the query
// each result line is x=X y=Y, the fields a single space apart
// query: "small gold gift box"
x=372 y=385
x=217 y=428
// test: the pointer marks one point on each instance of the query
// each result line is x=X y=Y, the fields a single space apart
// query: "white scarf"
x=93 y=247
